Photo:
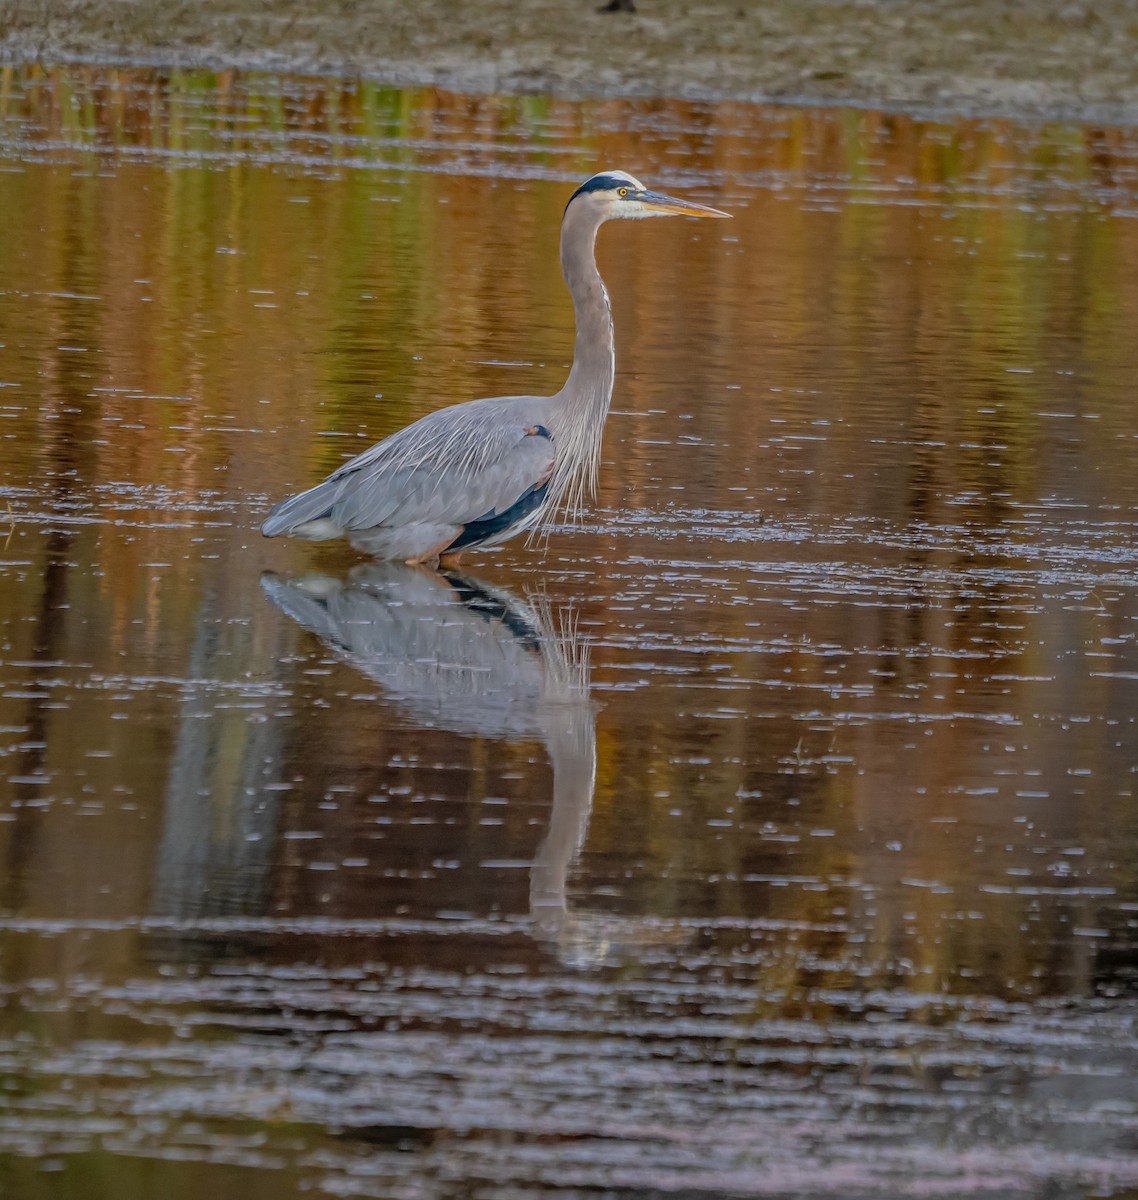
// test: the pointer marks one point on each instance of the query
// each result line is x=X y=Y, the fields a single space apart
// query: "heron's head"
x=616 y=194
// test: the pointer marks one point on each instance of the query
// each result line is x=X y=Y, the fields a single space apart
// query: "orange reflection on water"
x=858 y=597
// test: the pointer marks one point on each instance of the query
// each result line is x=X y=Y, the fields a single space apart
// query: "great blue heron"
x=475 y=474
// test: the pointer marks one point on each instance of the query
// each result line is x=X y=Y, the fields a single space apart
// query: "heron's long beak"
x=670 y=206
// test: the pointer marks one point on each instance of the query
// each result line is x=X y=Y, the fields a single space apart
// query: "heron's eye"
x=623 y=192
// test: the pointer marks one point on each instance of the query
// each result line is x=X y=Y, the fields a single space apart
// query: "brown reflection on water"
x=855 y=763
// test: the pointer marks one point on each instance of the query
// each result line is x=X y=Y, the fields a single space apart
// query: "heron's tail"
x=293 y=514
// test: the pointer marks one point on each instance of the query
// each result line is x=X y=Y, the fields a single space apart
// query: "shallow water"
x=771 y=834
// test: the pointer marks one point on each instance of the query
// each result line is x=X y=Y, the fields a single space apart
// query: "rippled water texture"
x=774 y=833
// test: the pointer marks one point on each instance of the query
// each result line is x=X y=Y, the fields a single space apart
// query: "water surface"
x=772 y=833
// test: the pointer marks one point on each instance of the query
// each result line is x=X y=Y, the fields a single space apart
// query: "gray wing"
x=452 y=467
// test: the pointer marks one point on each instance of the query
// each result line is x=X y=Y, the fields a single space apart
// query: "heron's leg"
x=424 y=560
x=422 y=545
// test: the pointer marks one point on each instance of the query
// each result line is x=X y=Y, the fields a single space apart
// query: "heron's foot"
x=436 y=559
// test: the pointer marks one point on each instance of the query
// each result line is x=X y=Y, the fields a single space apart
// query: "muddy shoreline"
x=1034 y=61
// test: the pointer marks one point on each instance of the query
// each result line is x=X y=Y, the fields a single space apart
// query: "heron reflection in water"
x=456 y=654
x=476 y=474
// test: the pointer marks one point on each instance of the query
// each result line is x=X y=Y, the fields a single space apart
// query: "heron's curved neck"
x=580 y=408
x=593 y=351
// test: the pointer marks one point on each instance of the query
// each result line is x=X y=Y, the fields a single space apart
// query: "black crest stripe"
x=598 y=183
